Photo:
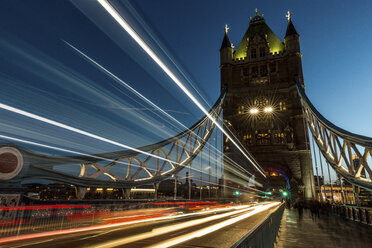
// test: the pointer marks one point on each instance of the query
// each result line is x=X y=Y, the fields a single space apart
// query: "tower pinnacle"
x=290 y=28
x=226 y=29
x=288 y=15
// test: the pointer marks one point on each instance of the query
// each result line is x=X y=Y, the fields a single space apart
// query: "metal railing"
x=358 y=214
x=264 y=234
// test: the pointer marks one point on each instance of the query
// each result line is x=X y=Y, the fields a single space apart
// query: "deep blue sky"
x=335 y=43
x=336 y=40
x=41 y=74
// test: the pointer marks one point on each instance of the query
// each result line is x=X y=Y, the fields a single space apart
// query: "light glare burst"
x=253 y=111
x=268 y=110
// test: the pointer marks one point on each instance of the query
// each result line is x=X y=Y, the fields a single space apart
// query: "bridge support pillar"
x=156 y=187
x=307 y=175
x=175 y=186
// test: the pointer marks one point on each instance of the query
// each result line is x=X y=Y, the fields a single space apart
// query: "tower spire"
x=290 y=28
x=256 y=17
x=226 y=42
x=288 y=15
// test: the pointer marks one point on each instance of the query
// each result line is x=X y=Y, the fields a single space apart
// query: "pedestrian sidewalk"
x=323 y=232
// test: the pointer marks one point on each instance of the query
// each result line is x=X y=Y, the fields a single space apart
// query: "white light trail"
x=120 y=20
x=79 y=131
x=104 y=226
x=48 y=146
x=140 y=95
x=126 y=85
x=168 y=229
x=212 y=228
x=61 y=149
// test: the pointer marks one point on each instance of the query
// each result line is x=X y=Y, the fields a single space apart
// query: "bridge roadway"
x=212 y=228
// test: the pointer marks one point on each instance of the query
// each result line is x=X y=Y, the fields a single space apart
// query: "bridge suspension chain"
x=339 y=147
x=168 y=157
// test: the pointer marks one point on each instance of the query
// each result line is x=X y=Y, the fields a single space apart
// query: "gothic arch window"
x=263 y=70
x=261 y=101
x=248 y=139
x=253 y=53
x=279 y=138
x=272 y=67
x=254 y=71
x=262 y=52
x=282 y=106
x=263 y=137
x=241 y=110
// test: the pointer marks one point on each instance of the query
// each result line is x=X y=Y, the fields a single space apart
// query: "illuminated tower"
x=262 y=105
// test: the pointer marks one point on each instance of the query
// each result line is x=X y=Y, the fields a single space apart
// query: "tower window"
x=279 y=138
x=263 y=70
x=262 y=52
x=253 y=53
x=272 y=67
x=248 y=139
x=261 y=101
x=245 y=71
x=263 y=138
x=282 y=106
x=254 y=71
x=241 y=110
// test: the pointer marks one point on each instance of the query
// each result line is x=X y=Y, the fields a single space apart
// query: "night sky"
x=335 y=40
x=42 y=74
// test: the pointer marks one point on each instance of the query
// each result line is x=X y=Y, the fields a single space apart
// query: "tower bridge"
x=271 y=139
x=263 y=105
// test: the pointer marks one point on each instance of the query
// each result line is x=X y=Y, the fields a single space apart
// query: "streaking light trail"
x=102 y=226
x=142 y=96
x=126 y=85
x=212 y=228
x=75 y=130
x=139 y=95
x=60 y=149
x=120 y=20
x=168 y=229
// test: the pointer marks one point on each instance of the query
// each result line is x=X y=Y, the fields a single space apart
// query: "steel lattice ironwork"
x=165 y=158
x=339 y=147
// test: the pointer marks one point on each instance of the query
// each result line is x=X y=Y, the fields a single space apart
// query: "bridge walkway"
x=321 y=232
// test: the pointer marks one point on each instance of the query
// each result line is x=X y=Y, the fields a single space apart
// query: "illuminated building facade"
x=326 y=193
x=262 y=105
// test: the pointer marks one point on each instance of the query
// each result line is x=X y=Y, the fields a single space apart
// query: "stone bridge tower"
x=262 y=105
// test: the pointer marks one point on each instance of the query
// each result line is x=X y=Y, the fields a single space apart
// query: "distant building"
x=325 y=194
x=53 y=191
